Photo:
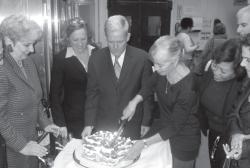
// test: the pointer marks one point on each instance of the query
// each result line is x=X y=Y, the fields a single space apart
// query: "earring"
x=9 y=48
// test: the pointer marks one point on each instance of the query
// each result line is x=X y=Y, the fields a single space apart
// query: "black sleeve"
x=148 y=103
x=56 y=90
x=91 y=103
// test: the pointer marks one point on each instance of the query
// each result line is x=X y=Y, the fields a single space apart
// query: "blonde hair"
x=166 y=44
x=16 y=27
x=116 y=23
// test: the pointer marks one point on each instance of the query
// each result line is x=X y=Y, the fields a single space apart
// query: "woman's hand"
x=232 y=153
x=63 y=132
x=237 y=141
x=135 y=151
x=144 y=130
x=53 y=129
x=32 y=148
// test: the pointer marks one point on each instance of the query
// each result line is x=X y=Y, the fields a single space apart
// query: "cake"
x=101 y=151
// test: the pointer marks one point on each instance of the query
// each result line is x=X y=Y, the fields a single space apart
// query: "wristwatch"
x=145 y=143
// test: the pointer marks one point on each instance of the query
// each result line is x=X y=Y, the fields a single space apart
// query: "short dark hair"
x=219 y=28
x=216 y=21
x=186 y=23
x=230 y=51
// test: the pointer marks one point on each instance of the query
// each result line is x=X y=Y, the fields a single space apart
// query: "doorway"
x=149 y=19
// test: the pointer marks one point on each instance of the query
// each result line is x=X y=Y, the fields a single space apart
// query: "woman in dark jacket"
x=239 y=119
x=173 y=84
x=218 y=88
x=69 y=79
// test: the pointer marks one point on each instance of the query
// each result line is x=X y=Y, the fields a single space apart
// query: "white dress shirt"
x=120 y=59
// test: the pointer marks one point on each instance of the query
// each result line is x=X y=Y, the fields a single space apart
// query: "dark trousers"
x=219 y=154
x=177 y=163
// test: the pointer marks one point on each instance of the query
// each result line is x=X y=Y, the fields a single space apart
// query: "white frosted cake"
x=98 y=152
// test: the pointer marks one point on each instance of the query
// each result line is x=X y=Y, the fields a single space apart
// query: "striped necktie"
x=117 y=68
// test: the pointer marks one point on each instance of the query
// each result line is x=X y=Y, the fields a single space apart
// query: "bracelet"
x=145 y=143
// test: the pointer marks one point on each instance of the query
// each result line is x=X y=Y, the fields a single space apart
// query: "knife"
x=119 y=132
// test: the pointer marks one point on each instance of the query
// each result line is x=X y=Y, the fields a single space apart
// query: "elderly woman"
x=173 y=84
x=218 y=88
x=20 y=93
x=69 y=79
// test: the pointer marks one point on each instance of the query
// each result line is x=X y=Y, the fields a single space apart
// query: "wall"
x=208 y=10
x=101 y=15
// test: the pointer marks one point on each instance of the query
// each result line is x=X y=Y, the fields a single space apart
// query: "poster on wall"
x=206 y=32
x=240 y=2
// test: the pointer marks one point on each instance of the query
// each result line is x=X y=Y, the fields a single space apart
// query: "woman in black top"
x=218 y=89
x=69 y=79
x=173 y=85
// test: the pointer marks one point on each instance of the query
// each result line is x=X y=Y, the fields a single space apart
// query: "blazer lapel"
x=18 y=71
x=126 y=67
x=110 y=67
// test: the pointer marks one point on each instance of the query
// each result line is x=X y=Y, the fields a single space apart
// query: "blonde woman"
x=173 y=84
x=20 y=93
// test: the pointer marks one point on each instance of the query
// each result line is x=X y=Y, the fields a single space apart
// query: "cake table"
x=155 y=156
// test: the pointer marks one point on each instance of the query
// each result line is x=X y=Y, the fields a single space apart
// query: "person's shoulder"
x=188 y=83
x=182 y=35
x=60 y=55
x=140 y=53
x=100 y=52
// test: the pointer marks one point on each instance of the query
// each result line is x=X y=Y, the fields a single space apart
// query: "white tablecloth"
x=155 y=156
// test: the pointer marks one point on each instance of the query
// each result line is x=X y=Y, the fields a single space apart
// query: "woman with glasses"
x=21 y=109
x=218 y=88
x=173 y=84
x=69 y=79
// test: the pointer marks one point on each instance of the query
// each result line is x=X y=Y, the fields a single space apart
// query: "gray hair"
x=116 y=23
x=16 y=27
x=166 y=44
x=244 y=10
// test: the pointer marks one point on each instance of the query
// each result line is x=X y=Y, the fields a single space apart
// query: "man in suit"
x=117 y=74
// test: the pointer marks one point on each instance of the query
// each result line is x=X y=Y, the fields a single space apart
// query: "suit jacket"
x=20 y=109
x=239 y=115
x=107 y=96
